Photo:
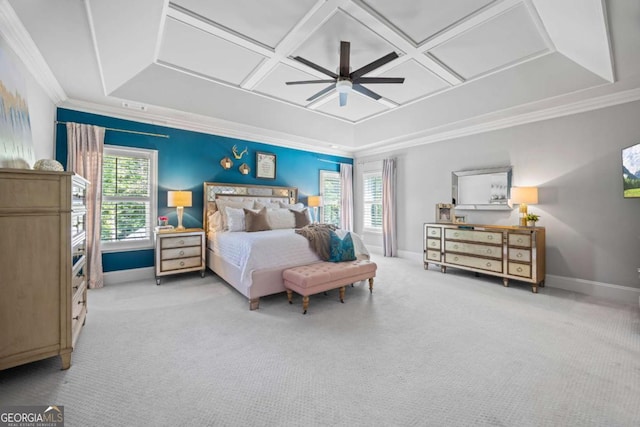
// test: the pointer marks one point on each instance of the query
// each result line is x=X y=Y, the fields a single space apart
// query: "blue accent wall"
x=187 y=159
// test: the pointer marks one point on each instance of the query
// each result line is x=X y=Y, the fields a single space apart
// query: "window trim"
x=365 y=175
x=152 y=155
x=332 y=174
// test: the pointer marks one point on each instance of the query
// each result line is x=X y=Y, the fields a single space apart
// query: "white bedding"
x=269 y=249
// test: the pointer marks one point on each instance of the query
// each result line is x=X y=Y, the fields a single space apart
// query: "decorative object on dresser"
x=532 y=219
x=178 y=251
x=314 y=202
x=524 y=196
x=265 y=165
x=509 y=252
x=48 y=165
x=460 y=219
x=179 y=200
x=43 y=265
x=481 y=189
x=445 y=213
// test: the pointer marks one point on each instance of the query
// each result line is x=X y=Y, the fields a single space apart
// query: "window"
x=372 y=201
x=128 y=198
x=331 y=192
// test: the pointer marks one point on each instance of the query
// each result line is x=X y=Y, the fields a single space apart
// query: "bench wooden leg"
x=371 y=285
x=254 y=303
x=290 y=296
x=342 y=294
x=305 y=304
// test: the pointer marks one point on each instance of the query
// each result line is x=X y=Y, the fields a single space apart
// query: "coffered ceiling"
x=222 y=65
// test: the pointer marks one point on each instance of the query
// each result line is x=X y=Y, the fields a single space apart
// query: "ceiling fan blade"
x=343 y=98
x=304 y=82
x=316 y=67
x=372 y=66
x=345 y=48
x=322 y=92
x=363 y=90
x=369 y=80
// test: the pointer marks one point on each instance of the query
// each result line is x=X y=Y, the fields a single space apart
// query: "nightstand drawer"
x=177 y=264
x=523 y=270
x=517 y=239
x=433 y=243
x=190 y=251
x=180 y=241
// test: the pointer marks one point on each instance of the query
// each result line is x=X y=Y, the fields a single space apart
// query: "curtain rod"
x=331 y=161
x=159 y=135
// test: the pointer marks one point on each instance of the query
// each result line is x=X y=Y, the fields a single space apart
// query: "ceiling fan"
x=345 y=81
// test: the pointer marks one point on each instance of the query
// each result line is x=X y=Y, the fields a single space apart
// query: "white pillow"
x=297 y=207
x=235 y=219
x=215 y=221
x=281 y=218
x=269 y=205
x=222 y=204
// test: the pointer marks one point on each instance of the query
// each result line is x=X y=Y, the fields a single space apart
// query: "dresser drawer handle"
x=181 y=242
x=519 y=269
x=489 y=237
x=433 y=232
x=76 y=288
x=488 y=264
x=519 y=240
x=77 y=317
x=455 y=258
x=456 y=234
x=519 y=255
x=455 y=246
x=181 y=252
x=181 y=263
x=489 y=251
x=80 y=302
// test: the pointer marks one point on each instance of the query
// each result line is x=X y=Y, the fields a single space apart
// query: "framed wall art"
x=265 y=165
x=445 y=213
x=460 y=219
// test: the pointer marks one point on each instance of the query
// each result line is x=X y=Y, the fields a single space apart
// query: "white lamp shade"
x=314 y=201
x=526 y=195
x=178 y=199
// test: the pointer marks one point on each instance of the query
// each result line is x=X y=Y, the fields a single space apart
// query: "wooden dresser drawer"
x=491 y=251
x=517 y=239
x=177 y=264
x=180 y=241
x=516 y=269
x=474 y=262
x=473 y=236
x=433 y=255
x=522 y=255
x=434 y=232
x=433 y=243
x=187 y=252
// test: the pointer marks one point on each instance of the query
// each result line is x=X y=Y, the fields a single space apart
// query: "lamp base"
x=180 y=211
x=523 y=214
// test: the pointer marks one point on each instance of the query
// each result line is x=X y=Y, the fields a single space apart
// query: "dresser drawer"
x=469 y=261
x=180 y=241
x=433 y=243
x=522 y=270
x=517 y=239
x=474 y=249
x=434 y=232
x=473 y=236
x=433 y=256
x=187 y=252
x=522 y=255
x=181 y=263
x=79 y=300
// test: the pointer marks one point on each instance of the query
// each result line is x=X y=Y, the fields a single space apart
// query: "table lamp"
x=524 y=196
x=314 y=202
x=179 y=200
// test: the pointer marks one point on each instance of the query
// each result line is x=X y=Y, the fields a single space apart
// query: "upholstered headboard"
x=244 y=192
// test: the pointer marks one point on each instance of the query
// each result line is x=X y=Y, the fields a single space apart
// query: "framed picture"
x=265 y=165
x=460 y=219
x=445 y=213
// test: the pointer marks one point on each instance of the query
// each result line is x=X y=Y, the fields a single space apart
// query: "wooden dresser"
x=43 y=290
x=510 y=252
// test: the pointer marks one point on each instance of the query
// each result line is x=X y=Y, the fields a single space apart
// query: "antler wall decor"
x=239 y=155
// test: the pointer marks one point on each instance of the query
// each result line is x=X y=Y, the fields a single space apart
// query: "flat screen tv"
x=631 y=171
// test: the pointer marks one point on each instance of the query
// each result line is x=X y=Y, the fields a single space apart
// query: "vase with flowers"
x=163 y=220
x=532 y=219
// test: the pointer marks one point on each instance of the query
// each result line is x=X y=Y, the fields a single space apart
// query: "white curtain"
x=85 y=145
x=389 y=232
x=346 y=196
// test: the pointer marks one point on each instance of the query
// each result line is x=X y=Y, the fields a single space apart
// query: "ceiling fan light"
x=344 y=86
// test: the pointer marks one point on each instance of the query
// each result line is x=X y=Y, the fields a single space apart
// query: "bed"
x=253 y=262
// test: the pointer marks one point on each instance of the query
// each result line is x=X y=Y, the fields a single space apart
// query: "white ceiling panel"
x=194 y=50
x=265 y=22
x=273 y=85
x=323 y=46
x=418 y=82
x=501 y=41
x=421 y=19
x=358 y=107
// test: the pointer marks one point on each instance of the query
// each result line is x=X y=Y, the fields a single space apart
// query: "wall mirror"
x=481 y=189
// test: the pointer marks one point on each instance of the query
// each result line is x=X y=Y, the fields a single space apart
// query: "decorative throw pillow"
x=302 y=218
x=256 y=221
x=280 y=218
x=341 y=249
x=215 y=221
x=235 y=219
x=221 y=205
x=265 y=204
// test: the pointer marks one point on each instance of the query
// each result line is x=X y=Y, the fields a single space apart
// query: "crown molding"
x=596 y=103
x=209 y=125
x=19 y=40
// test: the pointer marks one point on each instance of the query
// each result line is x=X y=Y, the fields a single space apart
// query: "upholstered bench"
x=323 y=276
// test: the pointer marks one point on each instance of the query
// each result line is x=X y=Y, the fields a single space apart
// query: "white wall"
x=593 y=233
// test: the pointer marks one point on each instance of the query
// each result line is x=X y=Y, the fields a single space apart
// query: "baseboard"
x=134 y=274
x=608 y=291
